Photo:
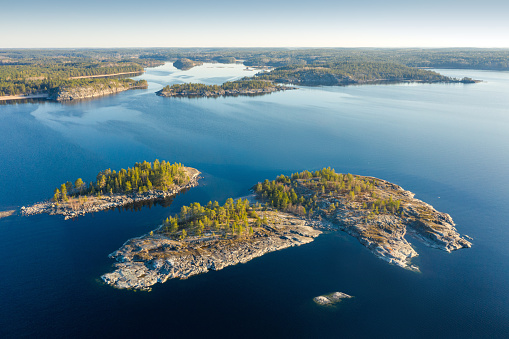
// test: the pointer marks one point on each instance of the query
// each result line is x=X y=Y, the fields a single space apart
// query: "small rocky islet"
x=331 y=299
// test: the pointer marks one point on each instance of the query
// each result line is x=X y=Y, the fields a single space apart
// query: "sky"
x=262 y=23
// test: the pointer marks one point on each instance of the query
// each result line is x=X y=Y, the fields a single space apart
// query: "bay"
x=448 y=143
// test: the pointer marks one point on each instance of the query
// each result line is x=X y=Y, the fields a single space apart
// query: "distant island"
x=289 y=211
x=245 y=86
x=354 y=73
x=145 y=181
x=334 y=74
x=186 y=64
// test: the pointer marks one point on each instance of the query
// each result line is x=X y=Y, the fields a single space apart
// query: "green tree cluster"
x=230 y=219
x=144 y=176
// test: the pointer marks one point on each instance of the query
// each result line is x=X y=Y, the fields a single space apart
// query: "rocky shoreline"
x=96 y=204
x=225 y=93
x=154 y=258
x=384 y=234
x=87 y=92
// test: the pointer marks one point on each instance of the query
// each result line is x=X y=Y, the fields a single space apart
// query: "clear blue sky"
x=263 y=23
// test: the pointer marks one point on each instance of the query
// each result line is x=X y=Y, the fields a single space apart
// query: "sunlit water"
x=448 y=143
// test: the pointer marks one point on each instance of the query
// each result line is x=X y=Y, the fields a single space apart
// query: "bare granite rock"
x=331 y=299
x=384 y=234
x=151 y=259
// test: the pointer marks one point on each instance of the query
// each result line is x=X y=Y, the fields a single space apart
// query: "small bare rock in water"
x=331 y=299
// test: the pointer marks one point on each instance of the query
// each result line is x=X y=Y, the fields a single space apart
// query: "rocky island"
x=186 y=64
x=244 y=86
x=145 y=181
x=290 y=211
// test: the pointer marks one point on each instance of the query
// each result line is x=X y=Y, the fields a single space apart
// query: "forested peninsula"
x=144 y=181
x=352 y=73
x=289 y=211
x=245 y=86
x=63 y=78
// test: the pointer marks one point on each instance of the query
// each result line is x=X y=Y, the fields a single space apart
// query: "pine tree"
x=56 y=197
x=79 y=184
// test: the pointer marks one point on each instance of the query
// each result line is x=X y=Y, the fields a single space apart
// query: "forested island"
x=245 y=86
x=350 y=73
x=289 y=211
x=186 y=64
x=145 y=181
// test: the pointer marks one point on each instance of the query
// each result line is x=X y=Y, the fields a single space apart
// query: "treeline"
x=467 y=58
x=471 y=58
x=198 y=88
x=141 y=178
x=231 y=219
x=349 y=72
x=304 y=193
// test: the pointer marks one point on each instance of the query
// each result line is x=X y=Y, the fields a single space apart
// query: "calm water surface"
x=448 y=143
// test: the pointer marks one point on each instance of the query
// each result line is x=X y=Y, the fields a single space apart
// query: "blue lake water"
x=448 y=143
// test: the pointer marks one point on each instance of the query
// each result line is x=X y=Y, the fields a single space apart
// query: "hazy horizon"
x=229 y=24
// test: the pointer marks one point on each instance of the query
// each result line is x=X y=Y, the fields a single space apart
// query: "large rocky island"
x=145 y=181
x=290 y=211
x=376 y=212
